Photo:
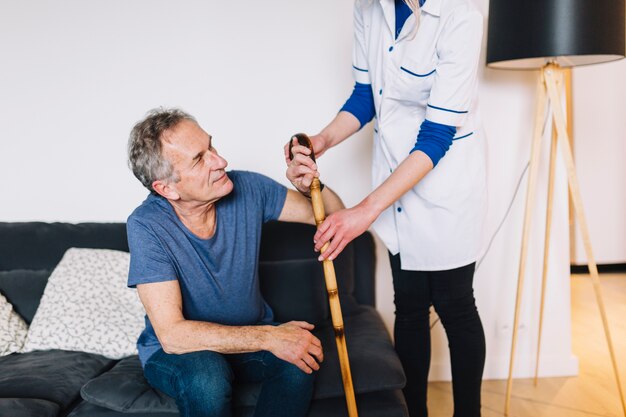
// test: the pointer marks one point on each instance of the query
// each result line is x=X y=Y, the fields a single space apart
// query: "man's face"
x=201 y=171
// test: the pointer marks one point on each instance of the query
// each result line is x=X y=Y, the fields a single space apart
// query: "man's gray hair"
x=145 y=157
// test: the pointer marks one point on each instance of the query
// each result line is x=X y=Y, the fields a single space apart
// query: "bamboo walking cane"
x=331 y=286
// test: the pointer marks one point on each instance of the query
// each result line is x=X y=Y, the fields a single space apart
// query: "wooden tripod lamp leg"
x=552 y=74
x=546 y=245
x=530 y=203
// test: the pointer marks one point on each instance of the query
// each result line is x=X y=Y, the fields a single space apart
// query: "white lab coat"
x=437 y=224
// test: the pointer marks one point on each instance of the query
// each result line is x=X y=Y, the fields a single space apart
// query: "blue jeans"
x=201 y=382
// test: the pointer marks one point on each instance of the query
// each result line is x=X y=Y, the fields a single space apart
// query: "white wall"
x=599 y=93
x=76 y=75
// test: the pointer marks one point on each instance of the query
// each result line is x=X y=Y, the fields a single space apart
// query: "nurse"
x=415 y=66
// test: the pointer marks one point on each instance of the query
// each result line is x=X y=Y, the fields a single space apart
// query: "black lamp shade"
x=526 y=34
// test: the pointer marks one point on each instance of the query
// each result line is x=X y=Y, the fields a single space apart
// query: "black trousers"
x=452 y=295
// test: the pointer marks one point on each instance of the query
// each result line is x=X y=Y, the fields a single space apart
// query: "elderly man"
x=194 y=246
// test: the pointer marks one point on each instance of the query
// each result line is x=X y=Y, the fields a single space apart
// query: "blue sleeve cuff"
x=434 y=139
x=361 y=103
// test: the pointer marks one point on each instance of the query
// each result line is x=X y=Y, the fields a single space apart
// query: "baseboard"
x=603 y=268
x=498 y=368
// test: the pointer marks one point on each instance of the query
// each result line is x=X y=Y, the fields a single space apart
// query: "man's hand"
x=319 y=142
x=293 y=342
x=340 y=228
x=301 y=169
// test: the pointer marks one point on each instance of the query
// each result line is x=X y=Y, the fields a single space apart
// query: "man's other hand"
x=293 y=342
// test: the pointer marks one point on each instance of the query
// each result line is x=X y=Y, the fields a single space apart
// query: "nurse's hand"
x=301 y=169
x=320 y=144
x=341 y=228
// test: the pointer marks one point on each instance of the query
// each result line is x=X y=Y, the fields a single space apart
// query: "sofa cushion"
x=374 y=364
x=85 y=409
x=373 y=361
x=374 y=404
x=87 y=307
x=124 y=389
x=28 y=407
x=54 y=375
x=13 y=329
x=24 y=288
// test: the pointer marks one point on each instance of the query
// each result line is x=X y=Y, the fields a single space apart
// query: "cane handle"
x=303 y=140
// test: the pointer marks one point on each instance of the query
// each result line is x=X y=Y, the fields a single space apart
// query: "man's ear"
x=165 y=189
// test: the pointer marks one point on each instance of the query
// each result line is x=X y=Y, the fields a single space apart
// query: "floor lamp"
x=550 y=35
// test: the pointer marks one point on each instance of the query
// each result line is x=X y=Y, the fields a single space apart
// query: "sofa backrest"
x=288 y=265
x=283 y=241
x=29 y=252
x=38 y=245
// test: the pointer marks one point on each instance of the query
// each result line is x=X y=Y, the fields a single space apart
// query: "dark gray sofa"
x=77 y=384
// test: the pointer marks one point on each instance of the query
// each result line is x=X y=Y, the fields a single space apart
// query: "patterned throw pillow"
x=13 y=329
x=87 y=306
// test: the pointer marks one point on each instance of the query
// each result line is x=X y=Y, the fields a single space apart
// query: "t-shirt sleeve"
x=148 y=260
x=271 y=196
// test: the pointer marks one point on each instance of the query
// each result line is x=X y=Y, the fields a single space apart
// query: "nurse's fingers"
x=334 y=243
x=333 y=255
x=317 y=237
x=329 y=235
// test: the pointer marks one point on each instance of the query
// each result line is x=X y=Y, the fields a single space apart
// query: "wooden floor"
x=592 y=393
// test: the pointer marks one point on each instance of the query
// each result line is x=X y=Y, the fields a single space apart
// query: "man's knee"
x=294 y=379
x=287 y=373
x=296 y=376
x=201 y=382
x=206 y=376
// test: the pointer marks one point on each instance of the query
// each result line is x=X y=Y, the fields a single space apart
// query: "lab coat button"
x=399 y=209
x=391 y=48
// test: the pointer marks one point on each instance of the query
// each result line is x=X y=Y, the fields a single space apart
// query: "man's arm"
x=298 y=208
x=292 y=342
x=301 y=171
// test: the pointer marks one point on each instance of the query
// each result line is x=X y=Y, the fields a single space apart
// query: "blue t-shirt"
x=218 y=277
